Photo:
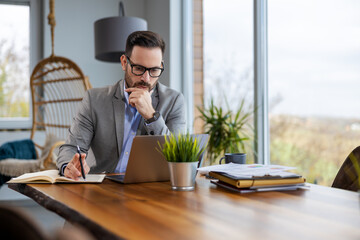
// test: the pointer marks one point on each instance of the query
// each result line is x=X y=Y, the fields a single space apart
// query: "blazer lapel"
x=155 y=97
x=119 y=112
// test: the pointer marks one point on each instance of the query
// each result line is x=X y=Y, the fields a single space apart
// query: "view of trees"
x=14 y=87
x=14 y=61
x=316 y=146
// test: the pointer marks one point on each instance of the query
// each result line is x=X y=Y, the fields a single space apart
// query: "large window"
x=228 y=51
x=228 y=55
x=313 y=76
x=314 y=82
x=14 y=61
x=20 y=50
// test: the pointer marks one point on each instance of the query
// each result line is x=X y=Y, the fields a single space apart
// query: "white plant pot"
x=182 y=175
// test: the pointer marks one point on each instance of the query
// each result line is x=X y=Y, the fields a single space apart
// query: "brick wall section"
x=198 y=63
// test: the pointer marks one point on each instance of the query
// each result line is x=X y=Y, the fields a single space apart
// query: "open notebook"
x=52 y=176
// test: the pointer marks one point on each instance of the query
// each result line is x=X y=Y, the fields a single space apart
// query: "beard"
x=130 y=83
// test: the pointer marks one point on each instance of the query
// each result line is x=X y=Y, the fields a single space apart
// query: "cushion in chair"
x=15 y=167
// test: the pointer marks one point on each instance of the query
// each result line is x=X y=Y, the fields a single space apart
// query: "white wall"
x=74 y=33
x=157 y=15
x=176 y=50
x=74 y=38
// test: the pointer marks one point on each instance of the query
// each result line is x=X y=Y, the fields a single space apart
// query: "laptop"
x=146 y=163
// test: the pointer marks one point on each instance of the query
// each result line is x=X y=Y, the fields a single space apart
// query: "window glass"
x=14 y=61
x=228 y=55
x=314 y=82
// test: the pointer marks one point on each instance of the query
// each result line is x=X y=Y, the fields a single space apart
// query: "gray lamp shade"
x=111 y=34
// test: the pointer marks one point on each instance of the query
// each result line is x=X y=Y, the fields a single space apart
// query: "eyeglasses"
x=139 y=70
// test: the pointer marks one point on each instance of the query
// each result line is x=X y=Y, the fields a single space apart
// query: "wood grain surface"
x=153 y=211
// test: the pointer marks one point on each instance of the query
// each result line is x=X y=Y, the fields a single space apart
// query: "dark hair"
x=146 y=39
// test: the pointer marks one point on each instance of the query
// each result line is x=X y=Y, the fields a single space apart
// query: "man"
x=109 y=118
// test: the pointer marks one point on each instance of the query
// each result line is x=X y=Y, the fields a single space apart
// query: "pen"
x=81 y=165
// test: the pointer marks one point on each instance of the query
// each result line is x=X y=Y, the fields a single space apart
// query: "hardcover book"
x=259 y=189
x=257 y=181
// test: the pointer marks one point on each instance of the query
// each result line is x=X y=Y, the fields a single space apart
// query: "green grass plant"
x=181 y=148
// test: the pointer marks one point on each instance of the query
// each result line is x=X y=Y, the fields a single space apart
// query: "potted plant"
x=228 y=131
x=183 y=153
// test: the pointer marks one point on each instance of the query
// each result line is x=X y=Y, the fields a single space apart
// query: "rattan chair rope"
x=57 y=87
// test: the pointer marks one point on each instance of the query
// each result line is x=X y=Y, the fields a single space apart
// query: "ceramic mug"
x=239 y=158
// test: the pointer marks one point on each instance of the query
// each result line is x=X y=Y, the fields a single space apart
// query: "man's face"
x=146 y=57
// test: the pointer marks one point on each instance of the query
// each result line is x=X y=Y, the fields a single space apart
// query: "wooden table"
x=153 y=211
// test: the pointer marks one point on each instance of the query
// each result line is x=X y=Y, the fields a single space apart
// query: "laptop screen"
x=146 y=163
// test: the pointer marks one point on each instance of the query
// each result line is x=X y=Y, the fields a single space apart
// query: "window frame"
x=187 y=46
x=36 y=54
x=262 y=131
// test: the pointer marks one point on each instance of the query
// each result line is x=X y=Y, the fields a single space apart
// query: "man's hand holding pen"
x=73 y=169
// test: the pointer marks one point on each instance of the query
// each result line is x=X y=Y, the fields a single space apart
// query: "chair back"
x=57 y=87
x=16 y=224
x=348 y=176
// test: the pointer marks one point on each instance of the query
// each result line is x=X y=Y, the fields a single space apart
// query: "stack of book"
x=246 y=178
x=257 y=184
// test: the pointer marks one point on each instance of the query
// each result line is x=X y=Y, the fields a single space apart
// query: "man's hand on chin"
x=140 y=98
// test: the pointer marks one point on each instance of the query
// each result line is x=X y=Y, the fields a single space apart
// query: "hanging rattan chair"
x=57 y=87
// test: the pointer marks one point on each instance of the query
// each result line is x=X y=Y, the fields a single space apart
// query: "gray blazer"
x=99 y=124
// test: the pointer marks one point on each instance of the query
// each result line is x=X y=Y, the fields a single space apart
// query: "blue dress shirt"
x=131 y=124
